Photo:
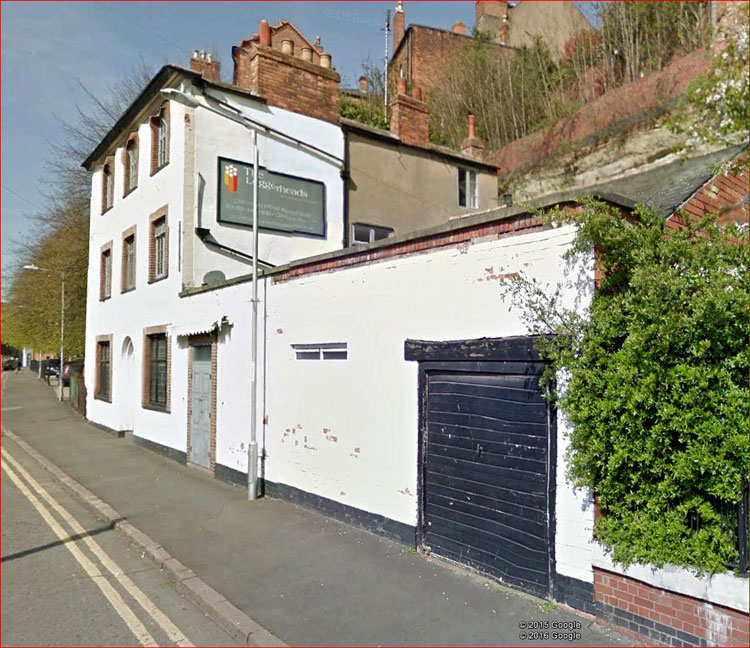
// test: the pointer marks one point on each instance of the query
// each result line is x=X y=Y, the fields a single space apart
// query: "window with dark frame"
x=102 y=370
x=128 y=260
x=157 y=387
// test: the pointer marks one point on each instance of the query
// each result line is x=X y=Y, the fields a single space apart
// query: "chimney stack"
x=399 y=25
x=410 y=117
x=299 y=79
x=458 y=27
x=472 y=145
x=204 y=63
x=363 y=84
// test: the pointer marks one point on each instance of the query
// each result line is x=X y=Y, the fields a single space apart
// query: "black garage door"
x=485 y=488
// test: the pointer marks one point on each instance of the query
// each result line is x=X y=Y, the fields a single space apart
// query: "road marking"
x=171 y=630
x=125 y=613
x=8 y=409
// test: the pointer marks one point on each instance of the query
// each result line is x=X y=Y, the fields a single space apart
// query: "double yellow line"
x=26 y=484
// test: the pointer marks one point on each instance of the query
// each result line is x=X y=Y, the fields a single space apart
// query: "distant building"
x=422 y=54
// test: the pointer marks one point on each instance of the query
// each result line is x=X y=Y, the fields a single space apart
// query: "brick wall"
x=627 y=105
x=668 y=617
x=726 y=194
x=410 y=121
x=500 y=229
x=288 y=82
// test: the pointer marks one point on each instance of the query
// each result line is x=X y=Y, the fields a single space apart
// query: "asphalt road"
x=68 y=580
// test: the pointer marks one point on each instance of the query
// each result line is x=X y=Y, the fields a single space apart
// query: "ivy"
x=656 y=383
x=366 y=111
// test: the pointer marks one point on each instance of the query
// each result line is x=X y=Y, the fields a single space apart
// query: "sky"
x=50 y=49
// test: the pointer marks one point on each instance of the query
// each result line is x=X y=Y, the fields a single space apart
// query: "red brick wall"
x=506 y=227
x=410 y=121
x=288 y=82
x=726 y=194
x=629 y=102
x=666 y=616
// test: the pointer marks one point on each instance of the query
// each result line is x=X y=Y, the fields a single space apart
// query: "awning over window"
x=200 y=326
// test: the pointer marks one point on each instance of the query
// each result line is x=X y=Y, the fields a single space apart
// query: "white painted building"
x=368 y=356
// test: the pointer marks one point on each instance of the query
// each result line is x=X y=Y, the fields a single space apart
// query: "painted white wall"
x=218 y=136
x=127 y=314
x=369 y=402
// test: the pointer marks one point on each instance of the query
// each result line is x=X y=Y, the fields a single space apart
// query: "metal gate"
x=487 y=459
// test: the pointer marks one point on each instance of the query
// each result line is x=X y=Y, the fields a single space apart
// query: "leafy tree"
x=656 y=382
x=58 y=234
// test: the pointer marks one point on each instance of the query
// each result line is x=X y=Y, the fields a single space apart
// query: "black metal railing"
x=742 y=531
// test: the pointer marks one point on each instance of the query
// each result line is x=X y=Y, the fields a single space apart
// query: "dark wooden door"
x=485 y=474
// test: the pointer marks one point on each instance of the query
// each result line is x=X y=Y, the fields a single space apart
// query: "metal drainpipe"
x=252 y=449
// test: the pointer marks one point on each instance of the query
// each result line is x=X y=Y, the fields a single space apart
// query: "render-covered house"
x=396 y=389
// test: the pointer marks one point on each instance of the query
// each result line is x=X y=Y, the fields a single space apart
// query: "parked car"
x=51 y=367
x=9 y=363
x=72 y=367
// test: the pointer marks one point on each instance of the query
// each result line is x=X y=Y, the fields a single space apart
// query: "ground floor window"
x=103 y=371
x=157 y=383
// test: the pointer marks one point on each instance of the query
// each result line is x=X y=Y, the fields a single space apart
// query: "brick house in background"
x=422 y=54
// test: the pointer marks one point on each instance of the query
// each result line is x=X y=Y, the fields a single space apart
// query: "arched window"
x=160 y=138
x=130 y=163
x=108 y=184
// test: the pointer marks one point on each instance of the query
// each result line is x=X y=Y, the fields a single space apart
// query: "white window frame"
x=132 y=152
x=129 y=244
x=160 y=248
x=162 y=157
x=471 y=192
x=109 y=186
x=372 y=231
x=322 y=351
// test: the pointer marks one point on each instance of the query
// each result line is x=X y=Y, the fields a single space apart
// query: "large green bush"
x=656 y=384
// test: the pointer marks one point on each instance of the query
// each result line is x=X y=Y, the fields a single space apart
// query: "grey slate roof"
x=667 y=187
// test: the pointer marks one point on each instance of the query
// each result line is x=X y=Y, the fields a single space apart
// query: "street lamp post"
x=62 y=320
x=252 y=447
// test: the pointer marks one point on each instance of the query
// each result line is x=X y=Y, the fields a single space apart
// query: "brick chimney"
x=363 y=84
x=458 y=27
x=472 y=145
x=288 y=80
x=399 y=24
x=410 y=117
x=491 y=16
x=204 y=63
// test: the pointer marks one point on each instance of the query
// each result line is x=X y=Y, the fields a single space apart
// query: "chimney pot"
x=417 y=93
x=363 y=84
x=472 y=130
x=287 y=47
x=401 y=86
x=264 y=33
x=325 y=61
x=317 y=41
x=306 y=54
x=399 y=25
x=458 y=27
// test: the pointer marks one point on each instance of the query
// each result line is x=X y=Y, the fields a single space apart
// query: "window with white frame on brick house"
x=108 y=185
x=128 y=262
x=103 y=389
x=157 y=370
x=468 y=190
x=130 y=164
x=160 y=138
x=323 y=351
x=105 y=273
x=159 y=249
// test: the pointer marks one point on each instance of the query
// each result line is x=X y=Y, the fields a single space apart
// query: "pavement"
x=271 y=572
x=70 y=579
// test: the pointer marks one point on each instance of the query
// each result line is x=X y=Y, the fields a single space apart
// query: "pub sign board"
x=286 y=203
